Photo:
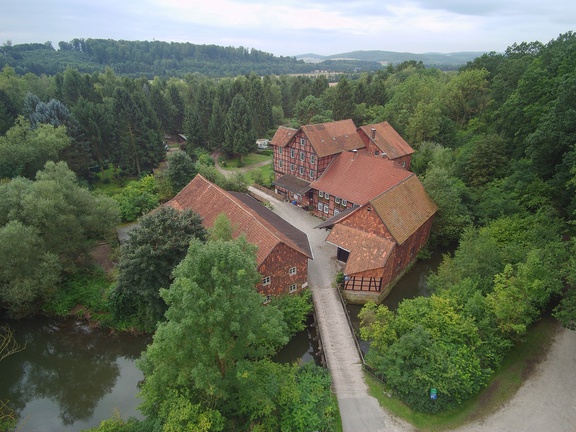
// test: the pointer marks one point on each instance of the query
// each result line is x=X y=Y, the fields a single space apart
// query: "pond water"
x=70 y=376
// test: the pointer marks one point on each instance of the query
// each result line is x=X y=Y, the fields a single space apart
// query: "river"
x=71 y=377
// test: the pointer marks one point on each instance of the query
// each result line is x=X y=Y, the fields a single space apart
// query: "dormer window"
x=302 y=141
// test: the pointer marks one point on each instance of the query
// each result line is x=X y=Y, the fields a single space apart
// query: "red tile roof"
x=209 y=200
x=404 y=208
x=283 y=136
x=359 y=178
x=333 y=137
x=388 y=140
x=367 y=251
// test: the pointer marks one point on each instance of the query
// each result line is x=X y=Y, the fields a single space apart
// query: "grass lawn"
x=517 y=366
x=251 y=159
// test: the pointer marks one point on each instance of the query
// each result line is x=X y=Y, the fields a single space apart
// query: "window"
x=325 y=208
x=326 y=195
x=312 y=159
x=267 y=299
x=337 y=200
x=302 y=141
x=375 y=152
x=302 y=156
x=292 y=288
x=301 y=170
x=311 y=173
x=321 y=194
x=266 y=280
x=336 y=211
x=280 y=163
x=292 y=271
x=291 y=153
x=403 y=164
x=279 y=150
x=291 y=167
x=319 y=206
x=344 y=202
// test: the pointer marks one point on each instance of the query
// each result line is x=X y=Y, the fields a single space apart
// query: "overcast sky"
x=292 y=27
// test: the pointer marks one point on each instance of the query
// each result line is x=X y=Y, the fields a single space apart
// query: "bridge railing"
x=373 y=372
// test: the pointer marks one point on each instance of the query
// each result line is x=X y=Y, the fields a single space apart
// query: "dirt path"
x=546 y=401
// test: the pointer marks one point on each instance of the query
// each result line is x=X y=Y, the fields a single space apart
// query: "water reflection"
x=66 y=371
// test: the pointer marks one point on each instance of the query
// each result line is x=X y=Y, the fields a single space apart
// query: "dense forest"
x=495 y=148
x=163 y=59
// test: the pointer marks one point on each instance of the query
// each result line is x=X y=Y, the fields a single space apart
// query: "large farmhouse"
x=359 y=180
x=302 y=155
x=282 y=250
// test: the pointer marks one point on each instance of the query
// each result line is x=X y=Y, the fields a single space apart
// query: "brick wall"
x=277 y=266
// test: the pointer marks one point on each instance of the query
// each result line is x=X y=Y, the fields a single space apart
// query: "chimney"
x=373 y=133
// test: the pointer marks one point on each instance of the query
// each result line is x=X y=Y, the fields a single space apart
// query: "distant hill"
x=157 y=58
x=438 y=60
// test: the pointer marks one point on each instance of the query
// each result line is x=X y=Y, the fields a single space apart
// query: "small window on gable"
x=292 y=271
x=336 y=211
x=403 y=164
x=321 y=194
x=280 y=163
x=292 y=153
x=337 y=200
x=344 y=202
x=267 y=299
x=325 y=208
x=326 y=195
x=311 y=173
x=375 y=152
x=266 y=280
x=302 y=156
x=292 y=288
x=302 y=141
x=319 y=206
x=279 y=150
x=312 y=159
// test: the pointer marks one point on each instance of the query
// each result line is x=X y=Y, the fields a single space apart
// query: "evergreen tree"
x=344 y=100
x=239 y=133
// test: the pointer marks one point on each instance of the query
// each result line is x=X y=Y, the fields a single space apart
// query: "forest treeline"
x=495 y=148
x=157 y=58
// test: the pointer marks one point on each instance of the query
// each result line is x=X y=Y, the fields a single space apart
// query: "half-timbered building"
x=382 y=140
x=380 y=239
x=301 y=155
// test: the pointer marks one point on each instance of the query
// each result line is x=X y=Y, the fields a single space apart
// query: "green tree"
x=147 y=260
x=180 y=170
x=343 y=107
x=138 y=131
x=24 y=151
x=239 y=132
x=202 y=353
x=29 y=273
x=427 y=344
x=66 y=215
x=310 y=108
x=138 y=198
